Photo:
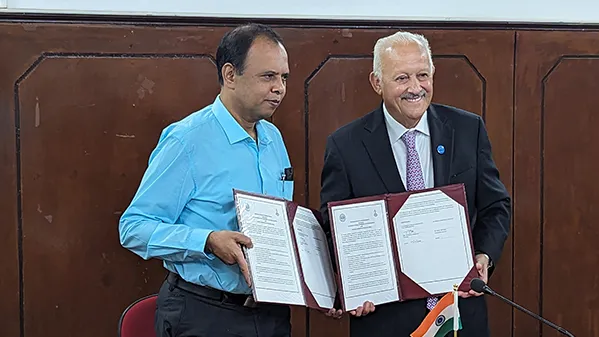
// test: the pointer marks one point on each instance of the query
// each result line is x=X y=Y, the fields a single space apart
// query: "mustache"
x=409 y=95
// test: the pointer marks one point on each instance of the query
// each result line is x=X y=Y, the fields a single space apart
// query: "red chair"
x=138 y=319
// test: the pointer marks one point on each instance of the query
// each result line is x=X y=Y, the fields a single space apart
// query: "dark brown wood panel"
x=554 y=181
x=9 y=261
x=338 y=91
x=84 y=146
x=568 y=167
x=333 y=103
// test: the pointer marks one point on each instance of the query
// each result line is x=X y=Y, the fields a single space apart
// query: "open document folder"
x=290 y=261
x=387 y=248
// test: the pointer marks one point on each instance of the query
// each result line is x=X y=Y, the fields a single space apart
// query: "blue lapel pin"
x=440 y=149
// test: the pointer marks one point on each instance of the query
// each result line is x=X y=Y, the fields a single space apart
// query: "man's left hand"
x=482 y=265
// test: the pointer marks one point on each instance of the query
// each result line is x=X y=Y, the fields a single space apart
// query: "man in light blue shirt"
x=183 y=212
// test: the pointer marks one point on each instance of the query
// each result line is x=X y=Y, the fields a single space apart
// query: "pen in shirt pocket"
x=286 y=175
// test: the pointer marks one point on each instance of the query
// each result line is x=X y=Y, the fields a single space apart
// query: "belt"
x=225 y=297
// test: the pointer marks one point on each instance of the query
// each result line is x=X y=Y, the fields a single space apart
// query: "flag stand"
x=455 y=297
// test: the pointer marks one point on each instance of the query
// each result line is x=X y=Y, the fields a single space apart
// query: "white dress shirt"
x=423 y=147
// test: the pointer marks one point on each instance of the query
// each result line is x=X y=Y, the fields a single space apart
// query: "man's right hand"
x=226 y=245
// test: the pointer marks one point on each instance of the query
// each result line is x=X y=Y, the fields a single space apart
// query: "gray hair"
x=404 y=38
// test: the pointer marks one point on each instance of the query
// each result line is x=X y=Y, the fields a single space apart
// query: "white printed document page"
x=433 y=241
x=314 y=257
x=272 y=260
x=365 y=254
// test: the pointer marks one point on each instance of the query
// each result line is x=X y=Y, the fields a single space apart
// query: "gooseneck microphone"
x=480 y=286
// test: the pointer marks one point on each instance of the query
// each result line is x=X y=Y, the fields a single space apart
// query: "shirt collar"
x=235 y=133
x=396 y=130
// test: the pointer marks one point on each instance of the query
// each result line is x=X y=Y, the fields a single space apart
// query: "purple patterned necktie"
x=415 y=181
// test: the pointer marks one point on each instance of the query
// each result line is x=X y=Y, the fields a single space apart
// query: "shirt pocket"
x=286 y=189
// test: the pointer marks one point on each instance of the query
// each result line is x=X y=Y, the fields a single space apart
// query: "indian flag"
x=444 y=318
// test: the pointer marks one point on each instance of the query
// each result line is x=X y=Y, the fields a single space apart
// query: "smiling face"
x=260 y=87
x=405 y=82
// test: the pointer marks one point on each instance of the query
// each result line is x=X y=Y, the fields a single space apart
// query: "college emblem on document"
x=375 y=214
x=440 y=320
x=342 y=217
x=277 y=212
x=247 y=207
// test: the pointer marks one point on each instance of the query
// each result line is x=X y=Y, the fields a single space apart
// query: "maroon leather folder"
x=291 y=207
x=407 y=288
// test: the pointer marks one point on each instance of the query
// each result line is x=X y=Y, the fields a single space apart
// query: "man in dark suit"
x=409 y=143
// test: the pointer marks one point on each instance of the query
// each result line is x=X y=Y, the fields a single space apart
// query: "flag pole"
x=455 y=306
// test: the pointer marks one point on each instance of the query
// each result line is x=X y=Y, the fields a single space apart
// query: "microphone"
x=480 y=286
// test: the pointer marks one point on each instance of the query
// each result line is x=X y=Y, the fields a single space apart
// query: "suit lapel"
x=441 y=146
x=376 y=141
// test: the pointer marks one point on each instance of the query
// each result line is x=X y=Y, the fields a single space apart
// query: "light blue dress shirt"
x=187 y=192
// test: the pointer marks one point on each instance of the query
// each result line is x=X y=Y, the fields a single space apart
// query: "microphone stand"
x=558 y=328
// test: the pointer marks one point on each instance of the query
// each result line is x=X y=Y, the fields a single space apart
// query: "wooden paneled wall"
x=82 y=106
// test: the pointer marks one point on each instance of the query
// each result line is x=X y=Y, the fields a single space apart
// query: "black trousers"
x=400 y=319
x=183 y=314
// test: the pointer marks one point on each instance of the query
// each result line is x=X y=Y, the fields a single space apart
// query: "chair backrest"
x=138 y=319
